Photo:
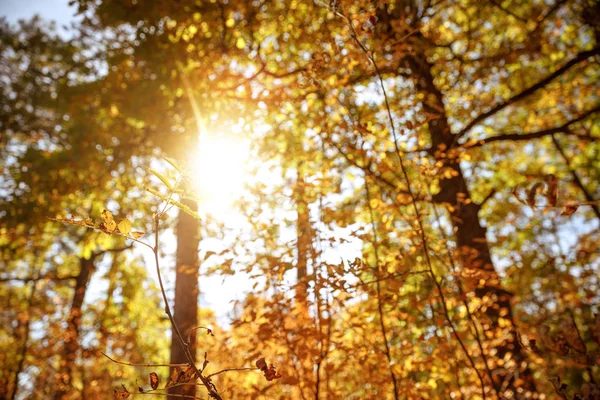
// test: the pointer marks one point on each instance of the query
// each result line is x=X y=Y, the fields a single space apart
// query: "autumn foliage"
x=419 y=216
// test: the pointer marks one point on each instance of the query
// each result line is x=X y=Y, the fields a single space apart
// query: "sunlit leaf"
x=154 y=381
x=125 y=227
x=137 y=235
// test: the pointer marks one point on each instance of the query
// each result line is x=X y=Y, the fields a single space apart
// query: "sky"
x=57 y=10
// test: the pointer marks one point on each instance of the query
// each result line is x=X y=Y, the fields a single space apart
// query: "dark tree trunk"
x=478 y=270
x=66 y=368
x=186 y=290
x=25 y=327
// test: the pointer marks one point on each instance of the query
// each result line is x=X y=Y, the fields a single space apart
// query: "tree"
x=403 y=128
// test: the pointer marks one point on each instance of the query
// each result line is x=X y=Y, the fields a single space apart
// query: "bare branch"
x=232 y=369
x=142 y=365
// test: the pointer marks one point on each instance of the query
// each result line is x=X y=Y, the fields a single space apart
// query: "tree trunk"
x=25 y=326
x=478 y=269
x=66 y=368
x=186 y=291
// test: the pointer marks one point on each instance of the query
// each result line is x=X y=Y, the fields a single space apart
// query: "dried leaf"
x=536 y=188
x=517 y=194
x=154 y=380
x=175 y=377
x=208 y=254
x=188 y=376
x=107 y=216
x=261 y=363
x=125 y=227
x=551 y=192
x=571 y=335
x=137 y=235
x=569 y=209
x=121 y=394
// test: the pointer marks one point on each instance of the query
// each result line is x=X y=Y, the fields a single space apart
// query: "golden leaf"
x=137 y=235
x=125 y=227
x=107 y=216
x=110 y=226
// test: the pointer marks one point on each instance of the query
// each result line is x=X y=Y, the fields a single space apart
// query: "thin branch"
x=539 y=134
x=181 y=396
x=232 y=369
x=588 y=196
x=38 y=278
x=582 y=56
x=491 y=194
x=209 y=386
x=142 y=365
x=378 y=290
x=414 y=201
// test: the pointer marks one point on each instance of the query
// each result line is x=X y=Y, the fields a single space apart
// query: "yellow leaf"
x=110 y=226
x=137 y=235
x=107 y=216
x=125 y=227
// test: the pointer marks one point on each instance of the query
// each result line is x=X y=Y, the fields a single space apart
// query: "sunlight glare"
x=221 y=171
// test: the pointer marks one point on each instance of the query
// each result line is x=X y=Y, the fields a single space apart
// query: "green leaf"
x=162 y=178
x=173 y=164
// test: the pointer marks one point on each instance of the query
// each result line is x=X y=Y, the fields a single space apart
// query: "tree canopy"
x=419 y=216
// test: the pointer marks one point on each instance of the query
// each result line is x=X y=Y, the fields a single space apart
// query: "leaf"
x=569 y=209
x=162 y=178
x=261 y=363
x=137 y=235
x=208 y=254
x=110 y=227
x=121 y=394
x=125 y=227
x=107 y=216
x=551 y=192
x=173 y=164
x=154 y=380
x=571 y=335
x=532 y=191
x=175 y=377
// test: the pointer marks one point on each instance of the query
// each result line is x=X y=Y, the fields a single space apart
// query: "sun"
x=221 y=171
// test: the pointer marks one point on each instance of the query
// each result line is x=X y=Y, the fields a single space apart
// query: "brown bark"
x=186 y=290
x=24 y=328
x=64 y=376
x=478 y=271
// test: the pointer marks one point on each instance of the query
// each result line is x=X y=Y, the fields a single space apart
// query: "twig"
x=414 y=200
x=232 y=369
x=142 y=365
x=209 y=386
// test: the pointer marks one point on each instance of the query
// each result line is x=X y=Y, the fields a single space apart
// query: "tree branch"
x=576 y=179
x=582 y=56
x=539 y=134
